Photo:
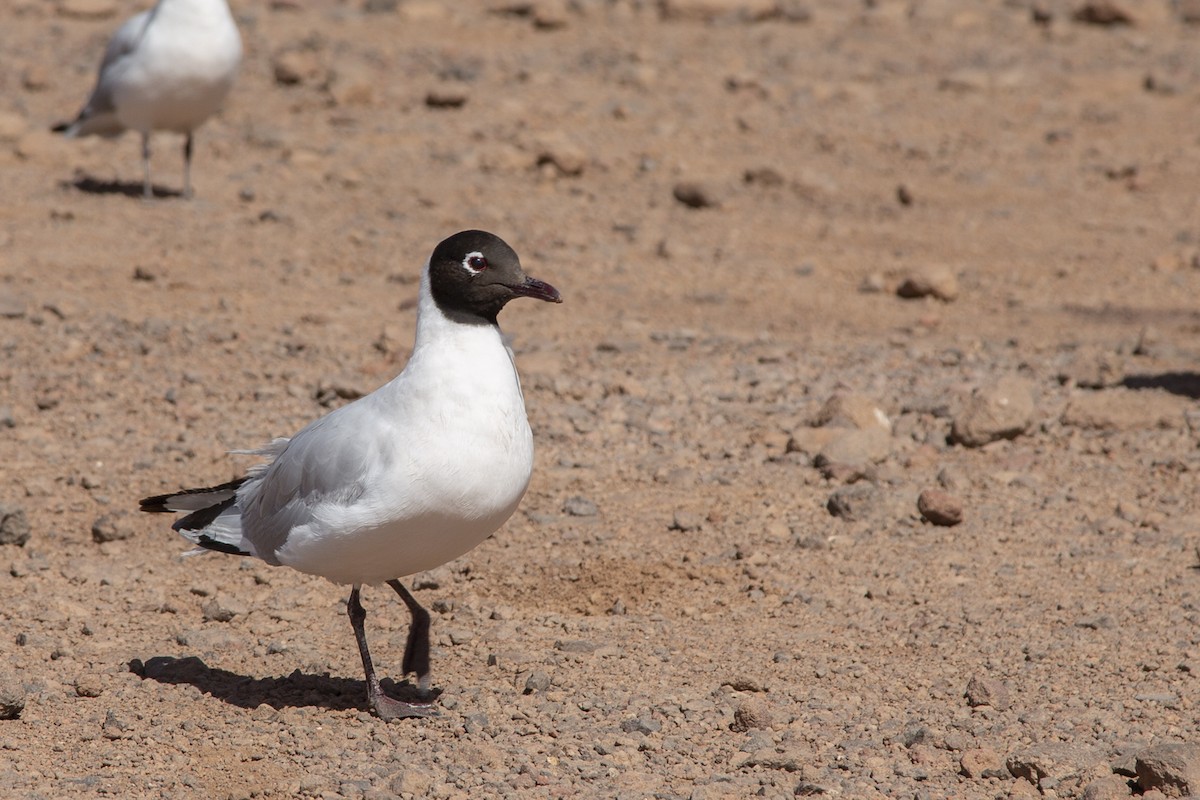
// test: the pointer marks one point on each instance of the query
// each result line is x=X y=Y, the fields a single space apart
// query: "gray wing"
x=326 y=462
x=98 y=115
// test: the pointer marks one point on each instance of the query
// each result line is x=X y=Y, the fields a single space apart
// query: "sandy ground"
x=675 y=611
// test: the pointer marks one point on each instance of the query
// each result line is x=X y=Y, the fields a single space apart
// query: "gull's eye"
x=477 y=263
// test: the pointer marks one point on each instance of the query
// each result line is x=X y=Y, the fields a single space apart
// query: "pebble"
x=686 y=521
x=87 y=9
x=940 y=508
x=11 y=306
x=116 y=727
x=984 y=691
x=1054 y=760
x=1173 y=768
x=856 y=448
x=853 y=411
x=1108 y=787
x=1189 y=11
x=1102 y=12
x=562 y=155
x=1000 y=410
x=14 y=527
x=12 y=698
x=1126 y=410
x=937 y=281
x=982 y=762
x=537 y=681
x=697 y=194
x=297 y=65
x=448 y=95
x=705 y=10
x=12 y=126
x=753 y=713
x=642 y=725
x=1094 y=368
x=214 y=610
x=854 y=502
x=88 y=686
x=112 y=527
x=578 y=506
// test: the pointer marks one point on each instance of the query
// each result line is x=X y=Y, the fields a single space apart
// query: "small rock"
x=578 y=506
x=1001 y=410
x=296 y=66
x=686 y=521
x=12 y=698
x=537 y=681
x=854 y=502
x=1126 y=410
x=116 y=727
x=35 y=78
x=11 y=306
x=642 y=725
x=873 y=283
x=1189 y=11
x=7 y=420
x=1094 y=368
x=215 y=611
x=352 y=84
x=983 y=691
x=1109 y=787
x=697 y=194
x=938 y=281
x=856 y=448
x=1173 y=769
x=413 y=781
x=87 y=9
x=14 y=528
x=940 y=508
x=12 y=126
x=564 y=156
x=1053 y=760
x=745 y=683
x=752 y=713
x=1102 y=12
x=982 y=762
x=88 y=686
x=853 y=411
x=448 y=95
x=704 y=10
x=112 y=527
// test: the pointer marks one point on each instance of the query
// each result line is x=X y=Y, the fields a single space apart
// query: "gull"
x=404 y=479
x=168 y=68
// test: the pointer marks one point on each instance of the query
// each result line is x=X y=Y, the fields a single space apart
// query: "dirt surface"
x=719 y=584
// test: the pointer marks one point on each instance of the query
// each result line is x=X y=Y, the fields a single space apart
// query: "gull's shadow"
x=1185 y=384
x=293 y=691
x=90 y=185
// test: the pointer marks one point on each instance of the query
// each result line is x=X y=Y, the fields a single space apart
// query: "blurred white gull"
x=166 y=69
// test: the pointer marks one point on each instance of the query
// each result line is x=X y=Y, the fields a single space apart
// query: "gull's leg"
x=416 y=652
x=387 y=708
x=147 y=192
x=187 y=166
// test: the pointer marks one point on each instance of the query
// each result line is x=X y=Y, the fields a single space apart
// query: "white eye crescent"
x=474 y=262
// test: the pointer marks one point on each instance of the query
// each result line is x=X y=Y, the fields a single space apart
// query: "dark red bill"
x=532 y=287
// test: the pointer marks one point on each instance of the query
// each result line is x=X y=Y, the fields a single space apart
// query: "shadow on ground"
x=1185 y=384
x=90 y=185
x=295 y=690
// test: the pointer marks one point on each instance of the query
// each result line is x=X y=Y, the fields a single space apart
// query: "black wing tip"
x=209 y=543
x=157 y=504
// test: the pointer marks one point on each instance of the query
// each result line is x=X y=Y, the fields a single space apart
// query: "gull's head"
x=475 y=273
